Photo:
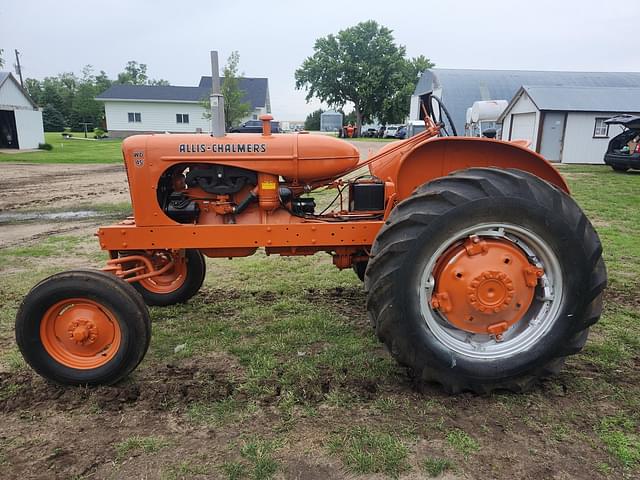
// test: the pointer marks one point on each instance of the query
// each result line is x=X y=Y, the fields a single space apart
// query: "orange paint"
x=80 y=333
x=483 y=285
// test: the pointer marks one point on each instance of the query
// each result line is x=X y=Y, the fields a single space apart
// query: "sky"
x=273 y=38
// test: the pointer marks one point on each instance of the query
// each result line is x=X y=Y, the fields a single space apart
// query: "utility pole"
x=18 y=67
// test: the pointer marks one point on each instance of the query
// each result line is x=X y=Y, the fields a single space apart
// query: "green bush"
x=45 y=146
x=99 y=133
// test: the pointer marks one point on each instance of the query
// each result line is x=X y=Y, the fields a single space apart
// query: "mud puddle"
x=15 y=217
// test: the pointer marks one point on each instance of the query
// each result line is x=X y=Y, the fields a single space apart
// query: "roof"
x=153 y=92
x=330 y=113
x=255 y=92
x=4 y=76
x=585 y=99
x=461 y=87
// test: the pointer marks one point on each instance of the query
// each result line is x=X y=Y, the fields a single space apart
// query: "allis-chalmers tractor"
x=481 y=271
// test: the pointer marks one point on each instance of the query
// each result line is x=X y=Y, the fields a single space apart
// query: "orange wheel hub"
x=80 y=333
x=169 y=281
x=484 y=285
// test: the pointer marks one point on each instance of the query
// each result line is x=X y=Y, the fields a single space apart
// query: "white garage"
x=20 y=118
x=567 y=123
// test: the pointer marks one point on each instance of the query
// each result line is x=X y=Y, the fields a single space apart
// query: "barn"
x=20 y=118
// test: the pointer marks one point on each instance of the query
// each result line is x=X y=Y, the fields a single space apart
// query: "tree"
x=52 y=119
x=395 y=107
x=349 y=118
x=84 y=107
x=312 y=123
x=361 y=65
x=136 y=74
x=102 y=82
x=234 y=108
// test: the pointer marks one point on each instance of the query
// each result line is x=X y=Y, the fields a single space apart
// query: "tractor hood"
x=300 y=157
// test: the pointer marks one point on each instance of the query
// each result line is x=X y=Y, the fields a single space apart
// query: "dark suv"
x=254 y=126
x=623 y=151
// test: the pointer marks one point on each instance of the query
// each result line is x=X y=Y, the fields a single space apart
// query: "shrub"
x=45 y=146
x=98 y=133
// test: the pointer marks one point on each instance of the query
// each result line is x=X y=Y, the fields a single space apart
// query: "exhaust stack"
x=217 y=100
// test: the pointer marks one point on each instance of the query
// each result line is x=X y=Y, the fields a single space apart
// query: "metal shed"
x=330 y=121
x=567 y=124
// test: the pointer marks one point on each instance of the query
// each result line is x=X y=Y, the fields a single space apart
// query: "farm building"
x=330 y=121
x=20 y=118
x=134 y=109
x=566 y=124
x=459 y=88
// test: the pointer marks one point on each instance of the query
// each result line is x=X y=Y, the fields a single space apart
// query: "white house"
x=20 y=118
x=134 y=109
x=566 y=123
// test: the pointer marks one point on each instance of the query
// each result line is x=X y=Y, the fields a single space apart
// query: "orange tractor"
x=481 y=271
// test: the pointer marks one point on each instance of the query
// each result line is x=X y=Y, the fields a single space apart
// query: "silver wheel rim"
x=525 y=333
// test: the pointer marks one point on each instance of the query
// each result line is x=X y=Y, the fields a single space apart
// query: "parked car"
x=369 y=132
x=401 y=133
x=623 y=151
x=391 y=131
x=254 y=126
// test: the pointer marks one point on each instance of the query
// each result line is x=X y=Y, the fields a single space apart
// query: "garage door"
x=522 y=126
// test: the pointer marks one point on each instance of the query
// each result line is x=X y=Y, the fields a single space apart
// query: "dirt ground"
x=55 y=187
x=49 y=186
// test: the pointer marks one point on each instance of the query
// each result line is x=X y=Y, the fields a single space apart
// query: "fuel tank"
x=297 y=157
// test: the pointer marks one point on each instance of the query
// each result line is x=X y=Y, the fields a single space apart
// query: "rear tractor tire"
x=83 y=327
x=178 y=284
x=485 y=280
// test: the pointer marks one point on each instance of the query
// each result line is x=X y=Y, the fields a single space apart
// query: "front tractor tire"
x=83 y=327
x=178 y=284
x=486 y=279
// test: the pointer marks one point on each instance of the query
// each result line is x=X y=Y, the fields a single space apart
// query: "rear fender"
x=438 y=157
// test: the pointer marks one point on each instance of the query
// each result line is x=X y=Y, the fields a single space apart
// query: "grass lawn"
x=76 y=149
x=272 y=371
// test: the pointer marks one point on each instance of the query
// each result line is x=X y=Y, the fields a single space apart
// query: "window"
x=134 y=117
x=182 y=118
x=601 y=129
